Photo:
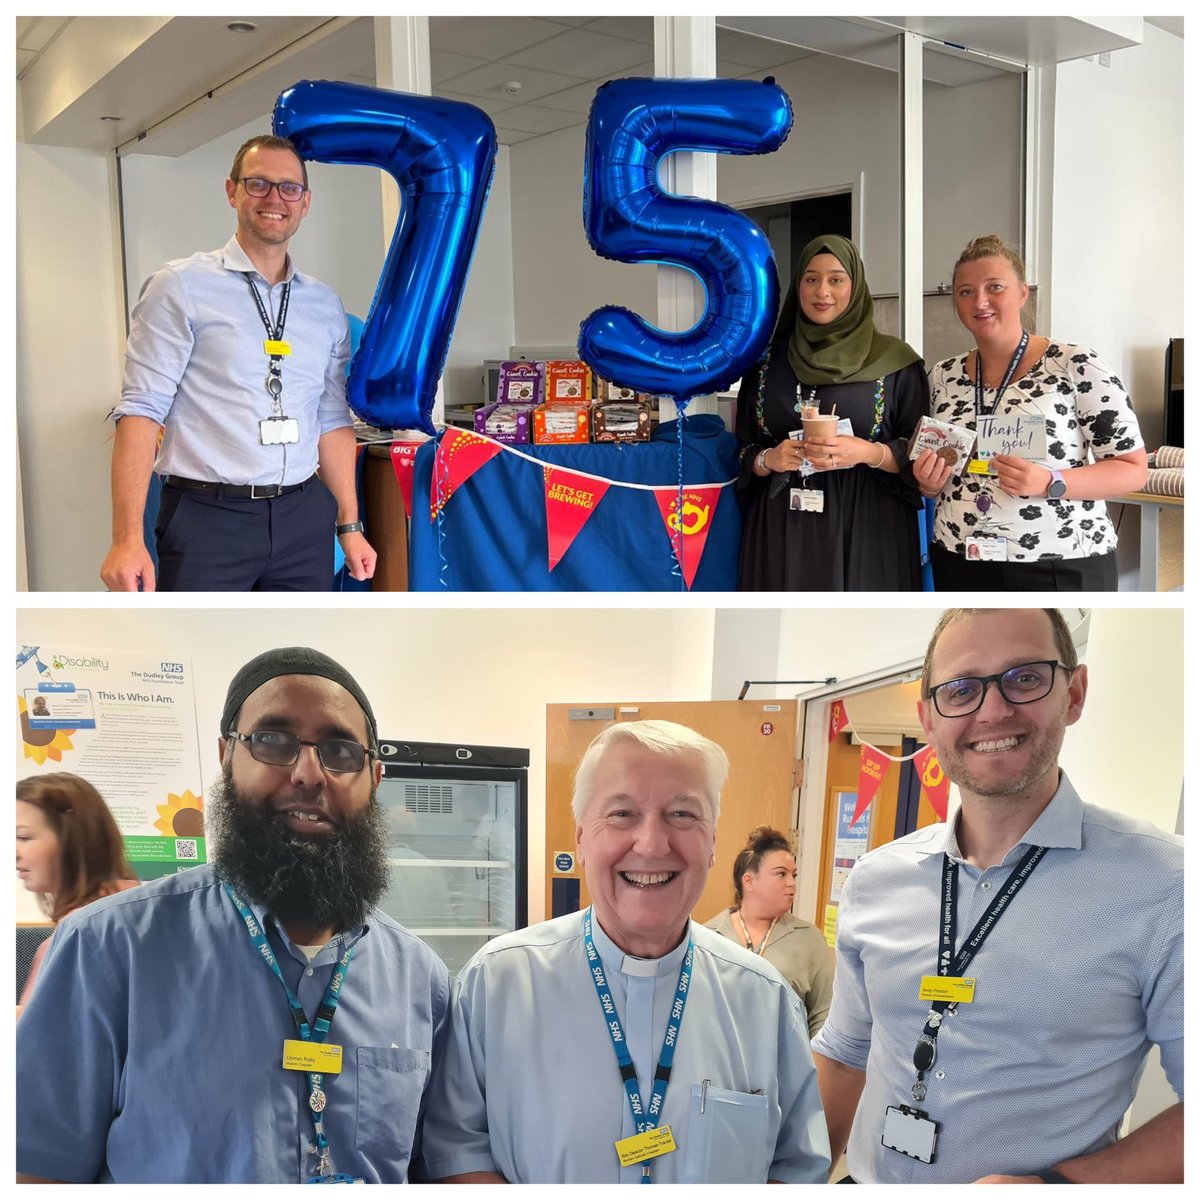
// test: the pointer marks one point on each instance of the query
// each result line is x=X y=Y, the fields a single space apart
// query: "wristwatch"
x=352 y=527
x=1058 y=485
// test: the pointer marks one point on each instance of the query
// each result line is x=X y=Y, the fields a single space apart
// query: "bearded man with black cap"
x=257 y=1020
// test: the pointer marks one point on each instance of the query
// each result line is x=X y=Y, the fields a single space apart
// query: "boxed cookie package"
x=951 y=443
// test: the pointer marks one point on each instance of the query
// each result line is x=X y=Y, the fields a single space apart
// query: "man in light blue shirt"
x=239 y=361
x=570 y=1037
x=161 y=1045
x=1058 y=925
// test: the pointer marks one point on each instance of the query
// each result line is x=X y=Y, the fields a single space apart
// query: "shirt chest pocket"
x=726 y=1137
x=391 y=1082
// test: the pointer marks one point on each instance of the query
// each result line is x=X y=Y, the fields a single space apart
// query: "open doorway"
x=791 y=224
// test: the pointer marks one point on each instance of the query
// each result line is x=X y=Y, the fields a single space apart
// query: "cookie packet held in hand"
x=951 y=443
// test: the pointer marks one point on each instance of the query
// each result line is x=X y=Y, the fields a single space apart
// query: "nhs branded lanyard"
x=275 y=346
x=316 y=1033
x=1013 y=364
x=951 y=964
x=644 y=1118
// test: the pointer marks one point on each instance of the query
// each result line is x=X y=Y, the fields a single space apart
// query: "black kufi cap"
x=290 y=660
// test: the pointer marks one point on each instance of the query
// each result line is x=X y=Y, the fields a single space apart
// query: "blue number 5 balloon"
x=441 y=154
x=634 y=123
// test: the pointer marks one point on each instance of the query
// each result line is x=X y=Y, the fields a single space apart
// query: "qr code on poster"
x=185 y=848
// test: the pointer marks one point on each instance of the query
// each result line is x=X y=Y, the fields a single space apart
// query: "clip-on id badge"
x=909 y=1132
x=277 y=430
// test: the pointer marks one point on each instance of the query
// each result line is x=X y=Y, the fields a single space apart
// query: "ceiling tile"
x=579 y=99
x=530 y=118
x=635 y=29
x=489 y=105
x=487 y=81
x=443 y=65
x=488 y=38
x=510 y=137
x=747 y=50
x=583 y=53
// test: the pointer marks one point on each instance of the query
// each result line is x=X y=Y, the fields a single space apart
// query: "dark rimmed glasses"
x=288 y=189
x=1022 y=684
x=279 y=749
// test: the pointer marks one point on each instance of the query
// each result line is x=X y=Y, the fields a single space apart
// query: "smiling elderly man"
x=627 y=1041
x=257 y=1020
x=1001 y=979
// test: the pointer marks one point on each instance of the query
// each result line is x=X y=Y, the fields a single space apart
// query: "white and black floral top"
x=1087 y=411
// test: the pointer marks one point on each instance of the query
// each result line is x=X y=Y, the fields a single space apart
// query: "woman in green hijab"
x=830 y=512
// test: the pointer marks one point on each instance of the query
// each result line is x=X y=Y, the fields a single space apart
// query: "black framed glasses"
x=279 y=749
x=288 y=189
x=1022 y=684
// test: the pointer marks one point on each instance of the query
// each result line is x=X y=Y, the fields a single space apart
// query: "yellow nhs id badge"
x=312 y=1056
x=644 y=1146
x=955 y=990
x=272 y=347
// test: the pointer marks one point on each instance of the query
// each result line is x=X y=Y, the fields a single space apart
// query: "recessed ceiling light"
x=112 y=118
x=241 y=27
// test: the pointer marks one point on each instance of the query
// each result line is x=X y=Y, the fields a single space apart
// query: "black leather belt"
x=235 y=491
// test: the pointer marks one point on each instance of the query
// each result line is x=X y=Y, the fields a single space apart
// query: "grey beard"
x=326 y=881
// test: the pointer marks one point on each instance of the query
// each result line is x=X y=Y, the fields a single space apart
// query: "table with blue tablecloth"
x=492 y=533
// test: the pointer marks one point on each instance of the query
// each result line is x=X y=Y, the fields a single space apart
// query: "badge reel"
x=277 y=430
x=909 y=1131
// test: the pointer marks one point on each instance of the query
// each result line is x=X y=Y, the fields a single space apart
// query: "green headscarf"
x=850 y=349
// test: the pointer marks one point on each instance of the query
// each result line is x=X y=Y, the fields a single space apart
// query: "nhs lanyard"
x=274 y=338
x=643 y=1118
x=319 y=1029
x=1013 y=364
x=951 y=964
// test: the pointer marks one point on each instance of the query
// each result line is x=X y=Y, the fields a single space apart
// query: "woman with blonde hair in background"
x=761 y=919
x=69 y=850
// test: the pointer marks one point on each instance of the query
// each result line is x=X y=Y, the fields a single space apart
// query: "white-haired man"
x=627 y=1041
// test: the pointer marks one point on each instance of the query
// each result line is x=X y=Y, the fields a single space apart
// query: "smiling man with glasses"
x=1000 y=979
x=238 y=361
x=257 y=1020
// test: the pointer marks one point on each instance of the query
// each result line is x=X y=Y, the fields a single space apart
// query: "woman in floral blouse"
x=1037 y=520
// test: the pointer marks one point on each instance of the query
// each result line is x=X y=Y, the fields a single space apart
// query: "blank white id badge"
x=279 y=431
x=807 y=500
x=910 y=1132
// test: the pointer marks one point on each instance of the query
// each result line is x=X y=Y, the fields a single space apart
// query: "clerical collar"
x=615 y=959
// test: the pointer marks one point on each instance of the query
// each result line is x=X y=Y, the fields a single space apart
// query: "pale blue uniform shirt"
x=530 y=1087
x=152 y=1049
x=195 y=363
x=1082 y=972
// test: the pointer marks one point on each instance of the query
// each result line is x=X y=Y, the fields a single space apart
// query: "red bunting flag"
x=837 y=719
x=404 y=458
x=933 y=780
x=460 y=454
x=688 y=537
x=570 y=500
x=871 y=768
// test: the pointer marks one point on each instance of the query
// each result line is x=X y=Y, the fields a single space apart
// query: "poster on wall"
x=127 y=724
x=850 y=844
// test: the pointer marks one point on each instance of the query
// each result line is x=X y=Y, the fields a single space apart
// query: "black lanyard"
x=1013 y=364
x=955 y=965
x=274 y=333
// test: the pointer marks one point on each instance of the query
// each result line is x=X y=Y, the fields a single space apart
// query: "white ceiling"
x=177 y=83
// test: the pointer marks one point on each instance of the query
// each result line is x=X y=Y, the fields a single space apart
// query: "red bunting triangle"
x=699 y=506
x=404 y=458
x=570 y=500
x=871 y=768
x=837 y=719
x=933 y=780
x=460 y=454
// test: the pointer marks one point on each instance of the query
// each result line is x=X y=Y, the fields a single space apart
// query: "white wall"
x=444 y=676
x=1118 y=215
x=69 y=341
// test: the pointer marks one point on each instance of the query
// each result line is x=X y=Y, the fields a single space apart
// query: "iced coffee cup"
x=820 y=426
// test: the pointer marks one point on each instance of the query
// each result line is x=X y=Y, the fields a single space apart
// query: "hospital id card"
x=312 y=1056
x=952 y=988
x=644 y=1146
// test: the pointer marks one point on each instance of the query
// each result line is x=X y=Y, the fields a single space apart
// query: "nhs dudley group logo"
x=169 y=668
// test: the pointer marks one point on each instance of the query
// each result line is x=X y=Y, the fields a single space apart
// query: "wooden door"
x=758 y=736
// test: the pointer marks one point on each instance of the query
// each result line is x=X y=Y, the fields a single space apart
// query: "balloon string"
x=678 y=567
x=439 y=506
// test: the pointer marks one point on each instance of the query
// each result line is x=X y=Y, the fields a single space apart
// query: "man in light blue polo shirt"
x=239 y=361
x=257 y=1020
x=1001 y=979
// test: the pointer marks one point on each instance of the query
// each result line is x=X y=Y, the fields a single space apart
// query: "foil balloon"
x=441 y=154
x=634 y=123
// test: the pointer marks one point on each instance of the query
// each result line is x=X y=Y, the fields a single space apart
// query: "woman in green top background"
x=839 y=513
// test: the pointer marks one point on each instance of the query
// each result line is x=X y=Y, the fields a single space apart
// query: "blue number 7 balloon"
x=634 y=123
x=441 y=154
